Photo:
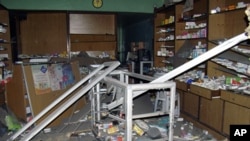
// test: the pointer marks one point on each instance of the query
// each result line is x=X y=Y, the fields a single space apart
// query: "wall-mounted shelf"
x=164 y=37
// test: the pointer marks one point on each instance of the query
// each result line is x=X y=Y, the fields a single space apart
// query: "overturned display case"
x=119 y=85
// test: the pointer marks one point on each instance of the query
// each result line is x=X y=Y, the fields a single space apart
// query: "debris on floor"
x=79 y=127
x=153 y=129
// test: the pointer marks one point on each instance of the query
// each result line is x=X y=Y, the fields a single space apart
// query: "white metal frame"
x=123 y=76
x=129 y=90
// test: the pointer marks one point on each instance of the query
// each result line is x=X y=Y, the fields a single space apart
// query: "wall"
x=141 y=6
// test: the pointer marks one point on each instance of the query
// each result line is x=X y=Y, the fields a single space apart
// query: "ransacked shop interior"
x=146 y=70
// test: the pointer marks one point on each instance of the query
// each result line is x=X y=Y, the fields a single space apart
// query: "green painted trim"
x=138 y=6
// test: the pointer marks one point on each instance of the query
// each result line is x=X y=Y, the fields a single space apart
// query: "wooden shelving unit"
x=164 y=35
x=5 y=50
x=178 y=32
x=59 y=32
x=225 y=24
x=5 y=39
x=213 y=110
x=92 y=32
x=43 y=33
x=191 y=30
